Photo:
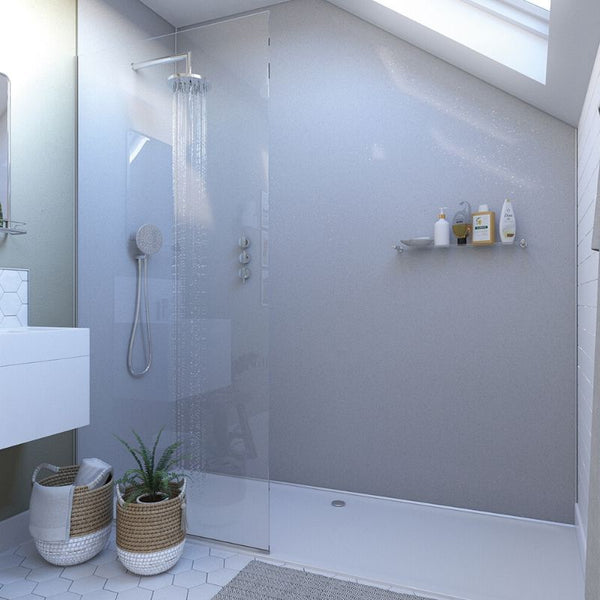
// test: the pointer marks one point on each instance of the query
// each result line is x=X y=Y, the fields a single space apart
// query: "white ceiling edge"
x=190 y=12
x=572 y=46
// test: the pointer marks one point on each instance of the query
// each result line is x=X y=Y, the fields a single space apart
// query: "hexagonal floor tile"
x=173 y=592
x=221 y=576
x=10 y=304
x=78 y=571
x=190 y=579
x=52 y=587
x=88 y=584
x=204 y=592
x=23 y=292
x=10 y=280
x=44 y=573
x=34 y=561
x=183 y=564
x=135 y=594
x=122 y=582
x=10 y=322
x=238 y=561
x=16 y=589
x=155 y=582
x=66 y=596
x=27 y=549
x=221 y=553
x=193 y=550
x=23 y=315
x=13 y=574
x=208 y=563
x=8 y=560
x=106 y=556
x=110 y=569
x=99 y=595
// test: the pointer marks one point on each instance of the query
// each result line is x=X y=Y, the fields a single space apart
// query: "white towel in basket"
x=50 y=512
x=93 y=472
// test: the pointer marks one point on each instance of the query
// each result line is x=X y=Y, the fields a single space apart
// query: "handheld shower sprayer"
x=149 y=241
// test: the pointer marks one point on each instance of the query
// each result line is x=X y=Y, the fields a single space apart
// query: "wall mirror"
x=4 y=149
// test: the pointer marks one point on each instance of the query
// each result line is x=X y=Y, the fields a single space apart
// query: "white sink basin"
x=44 y=382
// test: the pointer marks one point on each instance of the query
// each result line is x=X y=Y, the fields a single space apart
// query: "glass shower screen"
x=220 y=268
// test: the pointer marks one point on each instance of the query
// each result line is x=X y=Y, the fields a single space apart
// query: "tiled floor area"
x=198 y=575
x=201 y=572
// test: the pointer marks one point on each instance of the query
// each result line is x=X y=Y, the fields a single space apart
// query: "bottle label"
x=481 y=228
x=508 y=216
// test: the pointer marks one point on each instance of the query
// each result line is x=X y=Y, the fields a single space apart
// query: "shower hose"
x=142 y=280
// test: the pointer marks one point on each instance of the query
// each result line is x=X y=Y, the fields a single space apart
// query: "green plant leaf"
x=150 y=477
x=131 y=450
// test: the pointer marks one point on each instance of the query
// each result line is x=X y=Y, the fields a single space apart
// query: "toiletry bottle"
x=441 y=231
x=461 y=224
x=508 y=223
x=484 y=226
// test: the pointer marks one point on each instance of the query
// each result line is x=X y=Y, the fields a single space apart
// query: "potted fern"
x=150 y=509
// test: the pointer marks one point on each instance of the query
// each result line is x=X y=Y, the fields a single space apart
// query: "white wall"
x=587 y=284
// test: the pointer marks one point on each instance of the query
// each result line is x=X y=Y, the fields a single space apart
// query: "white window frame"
x=518 y=12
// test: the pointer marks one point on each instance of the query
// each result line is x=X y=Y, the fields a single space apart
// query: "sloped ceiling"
x=189 y=12
x=572 y=46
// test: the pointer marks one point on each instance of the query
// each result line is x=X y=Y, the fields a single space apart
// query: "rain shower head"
x=187 y=82
x=149 y=239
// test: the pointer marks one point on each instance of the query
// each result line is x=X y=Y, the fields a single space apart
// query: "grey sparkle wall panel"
x=124 y=164
x=444 y=377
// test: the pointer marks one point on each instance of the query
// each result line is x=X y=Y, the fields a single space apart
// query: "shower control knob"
x=244 y=242
x=244 y=258
x=244 y=274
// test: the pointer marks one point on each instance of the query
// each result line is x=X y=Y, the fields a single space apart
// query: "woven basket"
x=91 y=519
x=150 y=537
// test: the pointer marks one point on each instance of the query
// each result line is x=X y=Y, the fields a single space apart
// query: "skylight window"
x=511 y=32
x=545 y=4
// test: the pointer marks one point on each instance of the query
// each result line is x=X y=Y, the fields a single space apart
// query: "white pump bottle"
x=441 y=231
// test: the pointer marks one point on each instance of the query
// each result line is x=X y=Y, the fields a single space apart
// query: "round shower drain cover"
x=338 y=504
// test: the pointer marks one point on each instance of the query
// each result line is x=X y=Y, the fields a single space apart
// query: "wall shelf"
x=12 y=228
x=400 y=248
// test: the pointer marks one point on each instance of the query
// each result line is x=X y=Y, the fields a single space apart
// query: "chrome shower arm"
x=165 y=60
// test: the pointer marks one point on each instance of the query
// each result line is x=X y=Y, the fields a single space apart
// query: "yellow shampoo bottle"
x=484 y=226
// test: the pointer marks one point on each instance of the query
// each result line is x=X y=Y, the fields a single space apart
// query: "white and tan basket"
x=91 y=519
x=151 y=537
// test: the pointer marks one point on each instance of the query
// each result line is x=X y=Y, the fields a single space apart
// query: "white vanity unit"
x=44 y=382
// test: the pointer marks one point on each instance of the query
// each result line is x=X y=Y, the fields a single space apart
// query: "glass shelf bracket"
x=400 y=248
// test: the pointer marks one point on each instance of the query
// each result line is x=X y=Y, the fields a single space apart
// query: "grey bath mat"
x=262 y=581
